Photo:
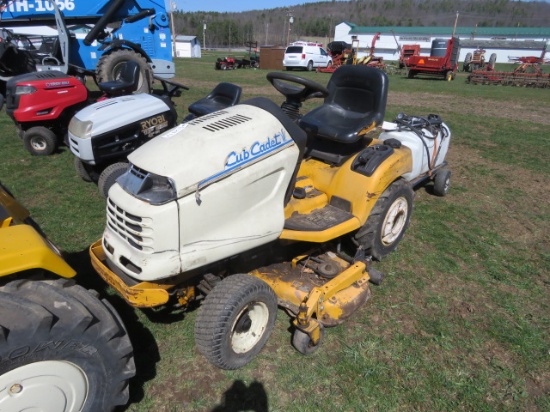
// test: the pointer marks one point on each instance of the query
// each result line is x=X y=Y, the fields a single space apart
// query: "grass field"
x=461 y=321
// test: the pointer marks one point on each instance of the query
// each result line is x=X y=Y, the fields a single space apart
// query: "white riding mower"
x=254 y=207
x=102 y=134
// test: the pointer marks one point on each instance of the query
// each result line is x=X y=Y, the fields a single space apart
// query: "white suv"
x=303 y=55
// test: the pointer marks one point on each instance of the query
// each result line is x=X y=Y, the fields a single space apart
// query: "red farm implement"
x=442 y=61
x=527 y=74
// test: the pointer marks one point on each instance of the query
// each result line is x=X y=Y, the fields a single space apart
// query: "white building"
x=187 y=46
x=506 y=42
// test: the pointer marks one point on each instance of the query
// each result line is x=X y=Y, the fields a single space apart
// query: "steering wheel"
x=295 y=94
x=171 y=88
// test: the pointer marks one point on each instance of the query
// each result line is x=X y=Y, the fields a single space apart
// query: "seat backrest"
x=130 y=73
x=222 y=96
x=355 y=104
x=126 y=83
x=354 y=88
x=226 y=93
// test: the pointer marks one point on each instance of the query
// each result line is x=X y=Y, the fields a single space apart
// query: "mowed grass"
x=461 y=321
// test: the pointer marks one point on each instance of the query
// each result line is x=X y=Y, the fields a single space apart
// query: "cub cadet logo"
x=257 y=149
x=154 y=125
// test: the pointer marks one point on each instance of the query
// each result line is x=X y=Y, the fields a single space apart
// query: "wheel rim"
x=395 y=221
x=446 y=185
x=47 y=386
x=38 y=144
x=249 y=327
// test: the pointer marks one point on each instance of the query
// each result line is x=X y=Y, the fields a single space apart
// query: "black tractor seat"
x=127 y=82
x=355 y=104
x=222 y=96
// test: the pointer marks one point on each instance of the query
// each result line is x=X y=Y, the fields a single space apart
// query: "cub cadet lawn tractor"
x=62 y=349
x=256 y=206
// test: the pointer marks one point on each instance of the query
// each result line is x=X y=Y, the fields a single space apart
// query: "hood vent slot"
x=226 y=123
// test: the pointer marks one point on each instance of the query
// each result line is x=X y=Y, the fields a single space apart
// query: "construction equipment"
x=256 y=206
x=120 y=30
x=62 y=348
x=442 y=61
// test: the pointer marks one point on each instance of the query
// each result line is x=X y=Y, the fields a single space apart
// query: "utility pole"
x=173 y=7
x=290 y=21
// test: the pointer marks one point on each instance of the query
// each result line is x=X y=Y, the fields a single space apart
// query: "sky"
x=234 y=5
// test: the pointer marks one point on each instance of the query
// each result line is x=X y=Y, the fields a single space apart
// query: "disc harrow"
x=540 y=80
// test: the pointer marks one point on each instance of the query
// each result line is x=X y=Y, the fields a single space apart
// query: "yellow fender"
x=342 y=182
x=23 y=248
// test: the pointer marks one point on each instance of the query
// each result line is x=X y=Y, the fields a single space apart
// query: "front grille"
x=73 y=143
x=131 y=228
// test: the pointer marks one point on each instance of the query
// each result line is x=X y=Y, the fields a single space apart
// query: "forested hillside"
x=318 y=19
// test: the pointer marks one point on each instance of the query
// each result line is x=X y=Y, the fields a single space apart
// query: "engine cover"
x=231 y=170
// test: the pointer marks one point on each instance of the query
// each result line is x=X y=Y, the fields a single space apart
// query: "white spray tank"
x=428 y=139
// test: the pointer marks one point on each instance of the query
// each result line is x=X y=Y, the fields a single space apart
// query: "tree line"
x=280 y=25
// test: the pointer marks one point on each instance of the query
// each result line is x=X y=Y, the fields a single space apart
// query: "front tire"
x=110 y=66
x=62 y=349
x=84 y=171
x=442 y=182
x=40 y=141
x=108 y=177
x=303 y=344
x=235 y=321
x=388 y=220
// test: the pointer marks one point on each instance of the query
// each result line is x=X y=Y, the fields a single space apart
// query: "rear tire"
x=235 y=321
x=467 y=60
x=40 y=141
x=108 y=177
x=110 y=66
x=309 y=67
x=442 y=182
x=388 y=220
x=493 y=60
x=62 y=349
